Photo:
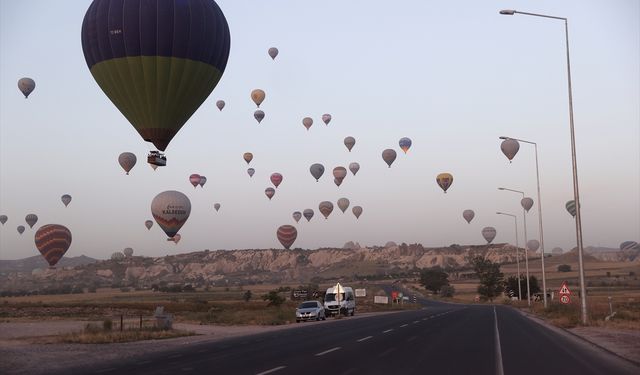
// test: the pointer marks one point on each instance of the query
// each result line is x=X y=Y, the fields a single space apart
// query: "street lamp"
x=576 y=194
x=517 y=257
x=526 y=253
x=544 y=278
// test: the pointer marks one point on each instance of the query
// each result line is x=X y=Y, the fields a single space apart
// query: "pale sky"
x=453 y=76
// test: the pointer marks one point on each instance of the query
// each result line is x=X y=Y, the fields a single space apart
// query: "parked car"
x=310 y=310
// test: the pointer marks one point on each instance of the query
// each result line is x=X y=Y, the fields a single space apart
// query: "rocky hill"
x=28 y=265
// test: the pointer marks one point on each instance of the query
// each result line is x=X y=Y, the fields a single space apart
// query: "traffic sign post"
x=565 y=293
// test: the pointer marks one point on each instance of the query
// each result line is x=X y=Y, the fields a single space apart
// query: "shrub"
x=564 y=268
x=447 y=291
x=107 y=325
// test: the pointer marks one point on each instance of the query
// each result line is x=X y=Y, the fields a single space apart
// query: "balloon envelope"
x=307 y=122
x=629 y=245
x=258 y=96
x=308 y=214
x=357 y=211
x=128 y=252
x=157 y=61
x=297 y=216
x=203 y=180
x=273 y=52
x=194 y=179
x=66 y=199
x=148 y=224
x=31 y=219
x=510 y=148
x=325 y=208
x=171 y=209
x=269 y=192
x=53 y=241
x=343 y=204
x=251 y=171
x=405 y=144
x=326 y=118
x=354 y=168
x=216 y=206
x=287 y=235
x=3 y=219
x=526 y=203
x=339 y=173
x=276 y=179
x=317 y=170
x=468 y=215
x=349 y=142
x=220 y=104
x=20 y=229
x=533 y=245
x=26 y=86
x=571 y=207
x=389 y=155
x=444 y=180
x=127 y=160
x=489 y=233
x=175 y=238
x=247 y=156
x=258 y=115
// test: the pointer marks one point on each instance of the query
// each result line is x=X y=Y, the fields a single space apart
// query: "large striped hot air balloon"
x=53 y=241
x=31 y=219
x=325 y=208
x=127 y=160
x=444 y=180
x=156 y=60
x=287 y=235
x=171 y=210
x=571 y=207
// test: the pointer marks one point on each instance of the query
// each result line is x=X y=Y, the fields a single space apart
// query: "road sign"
x=565 y=293
x=565 y=298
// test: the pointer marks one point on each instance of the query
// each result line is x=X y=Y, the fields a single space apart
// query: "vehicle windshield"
x=330 y=297
x=307 y=305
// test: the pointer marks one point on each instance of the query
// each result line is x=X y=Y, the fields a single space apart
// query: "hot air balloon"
x=20 y=229
x=405 y=144
x=128 y=252
x=326 y=118
x=307 y=122
x=297 y=216
x=489 y=233
x=220 y=104
x=354 y=168
x=629 y=245
x=533 y=245
x=247 y=156
x=66 y=199
x=339 y=173
x=251 y=171
x=171 y=210
x=510 y=148
x=273 y=52
x=3 y=219
x=156 y=61
x=259 y=115
x=269 y=192
x=53 y=241
x=357 y=211
x=276 y=179
x=216 y=206
x=343 y=204
x=337 y=181
x=127 y=160
x=571 y=207
x=31 y=219
x=148 y=224
x=389 y=155
x=468 y=215
x=526 y=203
x=349 y=142
x=444 y=180
x=117 y=256
x=195 y=180
x=317 y=170
x=175 y=238
x=308 y=214
x=287 y=235
x=203 y=180
x=26 y=86
x=325 y=208
x=257 y=96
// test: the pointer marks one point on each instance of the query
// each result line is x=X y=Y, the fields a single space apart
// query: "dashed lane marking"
x=272 y=370
x=364 y=339
x=387 y=331
x=328 y=351
x=404 y=325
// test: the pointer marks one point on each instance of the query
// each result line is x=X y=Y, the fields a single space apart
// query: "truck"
x=344 y=304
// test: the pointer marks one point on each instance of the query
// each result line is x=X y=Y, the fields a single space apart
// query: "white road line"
x=499 y=368
x=387 y=331
x=404 y=325
x=416 y=321
x=386 y=352
x=328 y=351
x=272 y=370
x=364 y=339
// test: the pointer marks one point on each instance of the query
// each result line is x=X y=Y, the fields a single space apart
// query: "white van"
x=344 y=304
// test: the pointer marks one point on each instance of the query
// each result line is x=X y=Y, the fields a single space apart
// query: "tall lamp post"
x=576 y=195
x=517 y=257
x=526 y=253
x=544 y=278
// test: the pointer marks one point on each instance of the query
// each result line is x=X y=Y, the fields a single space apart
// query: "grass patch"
x=94 y=335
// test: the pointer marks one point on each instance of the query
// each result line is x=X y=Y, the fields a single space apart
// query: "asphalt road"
x=439 y=339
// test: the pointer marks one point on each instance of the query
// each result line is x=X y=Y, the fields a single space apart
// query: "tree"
x=246 y=296
x=511 y=286
x=447 y=291
x=434 y=279
x=274 y=298
x=491 y=279
x=564 y=268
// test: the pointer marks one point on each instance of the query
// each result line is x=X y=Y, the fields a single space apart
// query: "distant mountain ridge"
x=29 y=264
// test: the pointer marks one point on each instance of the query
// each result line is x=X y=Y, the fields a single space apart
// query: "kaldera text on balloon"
x=174 y=210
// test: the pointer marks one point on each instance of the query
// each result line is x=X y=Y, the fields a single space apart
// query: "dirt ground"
x=625 y=343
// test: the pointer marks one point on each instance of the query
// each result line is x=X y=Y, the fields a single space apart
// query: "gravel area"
x=625 y=343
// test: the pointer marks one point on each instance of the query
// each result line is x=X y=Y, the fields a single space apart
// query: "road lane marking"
x=364 y=339
x=328 y=351
x=404 y=325
x=272 y=370
x=387 y=331
x=416 y=321
x=499 y=368
x=386 y=352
